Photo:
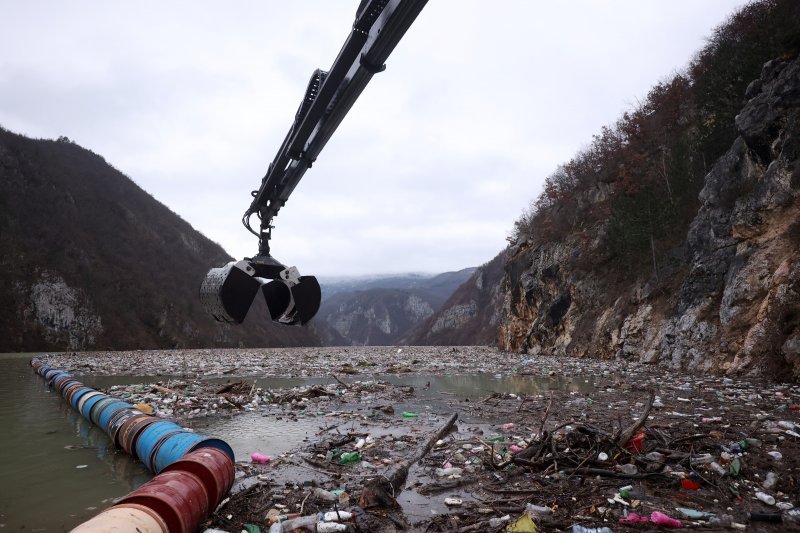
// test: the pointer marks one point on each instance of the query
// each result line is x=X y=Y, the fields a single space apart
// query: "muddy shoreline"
x=536 y=437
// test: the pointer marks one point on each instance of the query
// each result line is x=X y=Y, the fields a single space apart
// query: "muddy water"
x=57 y=470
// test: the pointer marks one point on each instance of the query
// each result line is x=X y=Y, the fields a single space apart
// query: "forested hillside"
x=634 y=247
x=91 y=261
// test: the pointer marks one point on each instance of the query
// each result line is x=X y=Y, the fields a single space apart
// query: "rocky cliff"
x=91 y=261
x=727 y=298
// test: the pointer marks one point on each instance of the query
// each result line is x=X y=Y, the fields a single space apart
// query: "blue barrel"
x=42 y=370
x=150 y=436
x=51 y=375
x=86 y=408
x=107 y=413
x=78 y=395
x=174 y=447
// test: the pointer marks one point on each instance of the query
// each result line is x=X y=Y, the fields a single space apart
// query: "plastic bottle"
x=259 y=458
x=628 y=469
x=324 y=495
x=330 y=527
x=766 y=498
x=702 y=459
x=304 y=522
x=453 y=470
x=407 y=414
x=577 y=528
x=350 y=457
x=497 y=522
x=537 y=510
x=335 y=516
x=718 y=468
x=660 y=519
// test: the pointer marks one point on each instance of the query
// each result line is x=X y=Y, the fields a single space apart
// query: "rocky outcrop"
x=731 y=303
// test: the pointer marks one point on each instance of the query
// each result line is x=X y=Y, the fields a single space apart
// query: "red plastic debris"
x=633 y=518
x=794 y=408
x=689 y=484
x=636 y=444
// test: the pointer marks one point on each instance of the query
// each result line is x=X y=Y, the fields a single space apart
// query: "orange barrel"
x=36 y=363
x=125 y=518
x=62 y=381
x=70 y=388
x=131 y=429
x=213 y=467
x=178 y=497
x=172 y=447
x=115 y=423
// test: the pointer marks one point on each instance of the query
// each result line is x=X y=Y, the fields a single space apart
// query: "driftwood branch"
x=626 y=434
x=382 y=491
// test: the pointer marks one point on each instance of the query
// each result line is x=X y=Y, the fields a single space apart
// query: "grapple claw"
x=228 y=292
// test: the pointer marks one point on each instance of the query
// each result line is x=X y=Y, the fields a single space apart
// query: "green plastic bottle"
x=350 y=457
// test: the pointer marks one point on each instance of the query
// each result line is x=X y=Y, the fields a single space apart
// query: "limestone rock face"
x=735 y=304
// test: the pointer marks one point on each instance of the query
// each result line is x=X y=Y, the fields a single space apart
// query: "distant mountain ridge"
x=91 y=261
x=379 y=311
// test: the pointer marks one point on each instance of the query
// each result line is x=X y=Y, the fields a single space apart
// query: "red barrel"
x=213 y=467
x=179 y=498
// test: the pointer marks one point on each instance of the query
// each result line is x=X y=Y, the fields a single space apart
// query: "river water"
x=58 y=470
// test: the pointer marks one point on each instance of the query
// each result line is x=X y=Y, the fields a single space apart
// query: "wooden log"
x=382 y=491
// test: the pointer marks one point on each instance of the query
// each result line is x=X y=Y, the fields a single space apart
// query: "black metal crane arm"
x=378 y=27
x=228 y=292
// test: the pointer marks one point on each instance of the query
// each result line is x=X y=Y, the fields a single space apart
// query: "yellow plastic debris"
x=524 y=524
x=145 y=408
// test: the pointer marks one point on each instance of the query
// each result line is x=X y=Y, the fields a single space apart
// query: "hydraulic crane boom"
x=229 y=291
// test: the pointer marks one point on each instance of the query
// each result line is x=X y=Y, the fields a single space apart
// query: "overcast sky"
x=480 y=102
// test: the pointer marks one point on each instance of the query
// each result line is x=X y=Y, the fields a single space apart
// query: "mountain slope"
x=470 y=316
x=674 y=237
x=91 y=261
x=382 y=310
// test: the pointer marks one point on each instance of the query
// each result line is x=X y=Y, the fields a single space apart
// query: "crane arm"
x=228 y=292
